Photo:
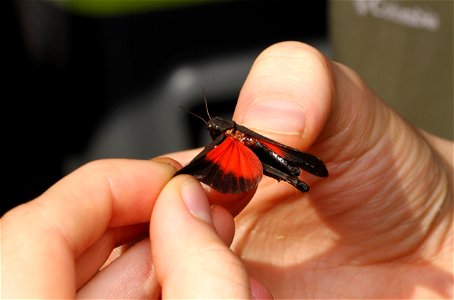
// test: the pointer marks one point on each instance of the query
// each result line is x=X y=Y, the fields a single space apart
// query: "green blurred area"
x=119 y=7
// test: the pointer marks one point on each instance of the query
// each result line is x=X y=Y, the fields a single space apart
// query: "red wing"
x=226 y=165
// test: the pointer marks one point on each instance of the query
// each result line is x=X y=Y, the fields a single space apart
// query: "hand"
x=380 y=226
x=53 y=246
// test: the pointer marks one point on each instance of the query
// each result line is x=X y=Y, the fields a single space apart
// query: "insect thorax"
x=247 y=140
x=218 y=126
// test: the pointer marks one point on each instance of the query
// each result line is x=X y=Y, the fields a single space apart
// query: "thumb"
x=378 y=163
x=287 y=94
x=190 y=258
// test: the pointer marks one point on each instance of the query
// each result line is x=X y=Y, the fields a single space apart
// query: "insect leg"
x=279 y=175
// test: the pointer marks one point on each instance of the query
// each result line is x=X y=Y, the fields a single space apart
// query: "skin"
x=380 y=226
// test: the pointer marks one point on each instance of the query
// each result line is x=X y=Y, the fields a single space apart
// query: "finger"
x=190 y=259
x=258 y=290
x=92 y=259
x=287 y=94
x=41 y=239
x=295 y=95
x=130 y=276
x=223 y=223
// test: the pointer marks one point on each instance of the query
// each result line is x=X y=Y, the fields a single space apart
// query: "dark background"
x=65 y=71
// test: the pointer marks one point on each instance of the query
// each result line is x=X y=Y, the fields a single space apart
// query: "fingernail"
x=279 y=116
x=196 y=201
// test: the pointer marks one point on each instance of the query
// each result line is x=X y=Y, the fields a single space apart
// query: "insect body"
x=237 y=158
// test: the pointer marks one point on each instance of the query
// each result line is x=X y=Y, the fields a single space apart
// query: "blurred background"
x=89 y=79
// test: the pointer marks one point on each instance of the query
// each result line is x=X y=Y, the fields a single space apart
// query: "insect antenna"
x=206 y=103
x=194 y=114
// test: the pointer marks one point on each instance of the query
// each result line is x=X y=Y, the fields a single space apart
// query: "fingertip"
x=259 y=290
x=167 y=161
x=287 y=94
x=197 y=204
x=195 y=199
x=183 y=197
x=213 y=207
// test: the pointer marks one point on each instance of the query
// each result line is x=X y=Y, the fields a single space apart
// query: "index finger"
x=41 y=239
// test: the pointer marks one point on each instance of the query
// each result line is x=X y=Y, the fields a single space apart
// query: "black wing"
x=293 y=159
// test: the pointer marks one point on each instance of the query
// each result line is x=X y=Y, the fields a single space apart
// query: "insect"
x=237 y=157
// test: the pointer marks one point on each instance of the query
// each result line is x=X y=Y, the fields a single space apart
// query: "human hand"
x=380 y=226
x=375 y=228
x=56 y=245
